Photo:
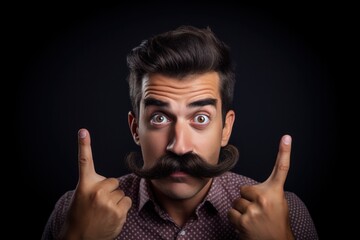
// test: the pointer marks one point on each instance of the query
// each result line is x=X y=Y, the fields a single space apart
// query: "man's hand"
x=98 y=209
x=262 y=211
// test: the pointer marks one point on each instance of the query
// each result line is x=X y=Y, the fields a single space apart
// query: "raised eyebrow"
x=155 y=102
x=203 y=102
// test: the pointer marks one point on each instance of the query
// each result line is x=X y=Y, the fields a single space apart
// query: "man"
x=181 y=87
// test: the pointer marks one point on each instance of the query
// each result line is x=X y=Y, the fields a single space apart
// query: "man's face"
x=181 y=116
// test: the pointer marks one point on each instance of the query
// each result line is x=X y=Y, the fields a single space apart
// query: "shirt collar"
x=144 y=193
x=215 y=195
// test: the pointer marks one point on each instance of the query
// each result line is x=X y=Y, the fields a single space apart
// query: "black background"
x=71 y=71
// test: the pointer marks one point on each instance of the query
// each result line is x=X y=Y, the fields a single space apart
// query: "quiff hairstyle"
x=179 y=53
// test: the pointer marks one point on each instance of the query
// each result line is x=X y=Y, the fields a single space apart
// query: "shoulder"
x=296 y=205
x=58 y=215
x=64 y=201
x=301 y=221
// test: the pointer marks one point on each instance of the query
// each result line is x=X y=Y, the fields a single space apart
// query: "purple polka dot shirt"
x=147 y=220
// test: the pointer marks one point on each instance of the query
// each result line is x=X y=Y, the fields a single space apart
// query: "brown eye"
x=201 y=119
x=159 y=119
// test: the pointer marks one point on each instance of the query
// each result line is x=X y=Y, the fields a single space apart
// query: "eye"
x=201 y=119
x=158 y=119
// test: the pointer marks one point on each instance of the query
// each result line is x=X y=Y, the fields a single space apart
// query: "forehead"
x=190 y=87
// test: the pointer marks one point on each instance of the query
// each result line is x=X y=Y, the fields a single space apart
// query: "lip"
x=179 y=174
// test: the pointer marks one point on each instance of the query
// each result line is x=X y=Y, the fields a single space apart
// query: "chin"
x=179 y=188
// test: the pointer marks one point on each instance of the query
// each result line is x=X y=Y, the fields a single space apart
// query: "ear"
x=227 y=129
x=134 y=126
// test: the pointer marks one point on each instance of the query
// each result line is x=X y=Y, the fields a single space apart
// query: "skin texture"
x=181 y=126
x=98 y=209
x=262 y=211
x=179 y=116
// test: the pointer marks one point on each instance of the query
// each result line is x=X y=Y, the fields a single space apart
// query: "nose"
x=180 y=139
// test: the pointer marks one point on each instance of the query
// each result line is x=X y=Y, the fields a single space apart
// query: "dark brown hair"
x=190 y=163
x=178 y=53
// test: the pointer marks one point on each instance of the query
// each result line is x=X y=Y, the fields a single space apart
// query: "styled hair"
x=179 y=53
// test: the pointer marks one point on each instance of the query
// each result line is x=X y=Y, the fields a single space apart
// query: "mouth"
x=179 y=174
x=179 y=177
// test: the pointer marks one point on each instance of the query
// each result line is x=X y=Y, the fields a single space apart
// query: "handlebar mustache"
x=189 y=163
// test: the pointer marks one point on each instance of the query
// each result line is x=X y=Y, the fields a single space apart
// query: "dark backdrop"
x=71 y=74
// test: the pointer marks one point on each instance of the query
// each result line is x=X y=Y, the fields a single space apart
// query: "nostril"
x=180 y=139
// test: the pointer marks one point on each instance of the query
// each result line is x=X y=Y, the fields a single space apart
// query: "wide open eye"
x=201 y=119
x=159 y=119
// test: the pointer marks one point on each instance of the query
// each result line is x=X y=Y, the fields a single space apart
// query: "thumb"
x=282 y=164
x=85 y=158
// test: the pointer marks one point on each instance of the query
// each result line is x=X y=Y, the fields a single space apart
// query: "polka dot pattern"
x=147 y=220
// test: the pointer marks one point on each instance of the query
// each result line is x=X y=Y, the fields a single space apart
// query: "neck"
x=180 y=210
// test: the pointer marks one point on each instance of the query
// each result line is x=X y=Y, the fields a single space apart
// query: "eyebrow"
x=203 y=102
x=200 y=103
x=155 y=102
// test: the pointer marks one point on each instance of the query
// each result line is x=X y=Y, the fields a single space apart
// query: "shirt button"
x=182 y=232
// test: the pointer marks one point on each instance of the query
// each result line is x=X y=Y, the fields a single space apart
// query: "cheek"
x=153 y=146
x=212 y=155
x=208 y=145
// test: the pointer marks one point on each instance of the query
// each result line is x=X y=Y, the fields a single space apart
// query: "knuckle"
x=124 y=206
x=244 y=222
x=252 y=211
x=82 y=159
x=236 y=203
x=127 y=201
x=244 y=188
x=113 y=181
x=283 y=167
x=97 y=194
x=232 y=215
x=121 y=193
x=262 y=200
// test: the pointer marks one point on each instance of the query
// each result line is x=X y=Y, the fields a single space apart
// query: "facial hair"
x=189 y=163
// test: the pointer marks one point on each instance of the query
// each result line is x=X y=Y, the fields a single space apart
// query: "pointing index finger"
x=282 y=164
x=85 y=159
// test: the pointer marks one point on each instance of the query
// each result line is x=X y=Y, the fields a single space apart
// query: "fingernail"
x=82 y=133
x=287 y=139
